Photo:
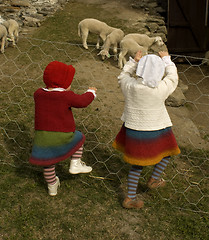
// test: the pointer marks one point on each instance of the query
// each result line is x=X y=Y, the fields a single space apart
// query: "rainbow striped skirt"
x=146 y=148
x=52 y=147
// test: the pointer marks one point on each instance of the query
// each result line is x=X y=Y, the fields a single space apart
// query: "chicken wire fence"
x=21 y=71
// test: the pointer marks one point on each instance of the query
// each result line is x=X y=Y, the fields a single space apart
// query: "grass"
x=87 y=206
x=85 y=209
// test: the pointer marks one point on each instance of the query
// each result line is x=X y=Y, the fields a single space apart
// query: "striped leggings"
x=50 y=173
x=135 y=172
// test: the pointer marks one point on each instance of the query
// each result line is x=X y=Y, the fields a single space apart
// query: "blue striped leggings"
x=135 y=172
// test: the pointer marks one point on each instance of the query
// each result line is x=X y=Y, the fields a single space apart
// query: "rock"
x=152 y=5
x=32 y=12
x=10 y=9
x=176 y=99
x=183 y=86
x=53 y=1
x=140 y=27
x=185 y=130
x=152 y=27
x=162 y=29
x=44 y=13
x=20 y=3
x=31 y=22
x=48 y=9
x=159 y=20
x=61 y=2
x=160 y=10
x=139 y=24
x=29 y=12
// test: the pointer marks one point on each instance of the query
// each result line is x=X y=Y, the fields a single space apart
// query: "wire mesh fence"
x=21 y=71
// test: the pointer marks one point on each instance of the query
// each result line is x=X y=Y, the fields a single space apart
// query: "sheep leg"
x=3 y=40
x=98 y=41
x=13 y=41
x=121 y=58
x=103 y=37
x=84 y=36
x=12 y=37
x=115 y=50
x=16 y=34
x=124 y=61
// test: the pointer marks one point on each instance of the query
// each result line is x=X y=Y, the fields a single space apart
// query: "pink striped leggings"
x=49 y=171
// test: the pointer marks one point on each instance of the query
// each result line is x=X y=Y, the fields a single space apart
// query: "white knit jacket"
x=144 y=106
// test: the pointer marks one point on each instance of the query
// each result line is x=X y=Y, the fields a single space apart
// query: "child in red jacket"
x=56 y=137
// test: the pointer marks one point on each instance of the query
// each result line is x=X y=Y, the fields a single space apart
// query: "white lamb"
x=144 y=40
x=94 y=26
x=133 y=41
x=206 y=59
x=113 y=39
x=129 y=47
x=3 y=37
x=13 y=30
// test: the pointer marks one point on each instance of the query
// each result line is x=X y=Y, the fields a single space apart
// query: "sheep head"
x=104 y=53
x=159 y=41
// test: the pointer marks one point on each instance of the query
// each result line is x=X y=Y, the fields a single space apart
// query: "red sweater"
x=53 y=109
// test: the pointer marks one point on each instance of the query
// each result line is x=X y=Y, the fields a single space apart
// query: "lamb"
x=13 y=30
x=94 y=26
x=130 y=47
x=135 y=41
x=144 y=40
x=206 y=59
x=3 y=37
x=114 y=38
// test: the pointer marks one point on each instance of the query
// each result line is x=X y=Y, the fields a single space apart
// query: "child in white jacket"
x=146 y=137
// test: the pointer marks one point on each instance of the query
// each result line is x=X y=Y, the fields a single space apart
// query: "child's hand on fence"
x=163 y=54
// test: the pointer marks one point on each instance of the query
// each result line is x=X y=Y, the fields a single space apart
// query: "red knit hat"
x=58 y=74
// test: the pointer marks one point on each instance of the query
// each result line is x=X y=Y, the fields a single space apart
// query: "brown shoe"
x=129 y=203
x=155 y=183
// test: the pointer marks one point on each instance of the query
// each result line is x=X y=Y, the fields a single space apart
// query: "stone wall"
x=153 y=7
x=29 y=12
x=155 y=23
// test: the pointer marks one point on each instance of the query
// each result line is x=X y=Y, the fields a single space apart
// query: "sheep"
x=13 y=30
x=144 y=40
x=206 y=59
x=114 y=39
x=3 y=37
x=1 y=19
x=94 y=26
x=133 y=41
x=130 y=47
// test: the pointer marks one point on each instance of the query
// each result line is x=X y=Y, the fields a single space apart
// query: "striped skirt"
x=146 y=148
x=52 y=147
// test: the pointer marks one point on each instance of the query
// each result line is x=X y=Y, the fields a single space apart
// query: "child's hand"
x=93 y=88
x=163 y=54
x=138 y=56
